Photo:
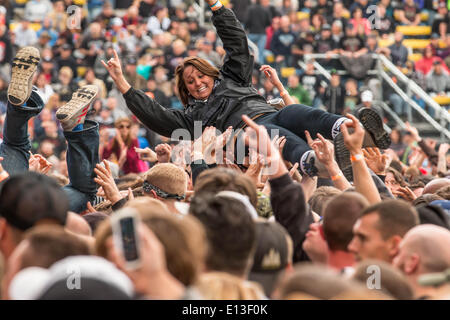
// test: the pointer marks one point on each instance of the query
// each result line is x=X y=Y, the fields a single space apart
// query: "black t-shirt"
x=386 y=25
x=324 y=45
x=311 y=84
x=438 y=19
x=323 y=10
x=90 y=42
x=70 y=62
x=352 y=44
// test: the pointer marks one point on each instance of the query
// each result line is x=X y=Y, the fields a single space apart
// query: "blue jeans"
x=292 y=121
x=260 y=41
x=82 y=154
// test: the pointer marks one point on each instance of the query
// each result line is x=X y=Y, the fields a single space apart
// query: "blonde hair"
x=224 y=286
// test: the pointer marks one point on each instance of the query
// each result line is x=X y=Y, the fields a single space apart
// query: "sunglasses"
x=124 y=126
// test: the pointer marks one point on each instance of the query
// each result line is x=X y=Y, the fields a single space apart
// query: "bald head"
x=431 y=244
x=435 y=185
x=77 y=225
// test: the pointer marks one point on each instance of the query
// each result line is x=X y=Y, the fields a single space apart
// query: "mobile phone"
x=126 y=238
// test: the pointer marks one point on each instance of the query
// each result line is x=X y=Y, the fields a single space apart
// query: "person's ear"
x=411 y=263
x=393 y=245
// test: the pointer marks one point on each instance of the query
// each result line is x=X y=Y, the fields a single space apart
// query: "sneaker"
x=342 y=156
x=373 y=124
x=24 y=66
x=313 y=167
x=74 y=112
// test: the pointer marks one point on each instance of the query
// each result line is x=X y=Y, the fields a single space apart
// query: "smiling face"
x=198 y=84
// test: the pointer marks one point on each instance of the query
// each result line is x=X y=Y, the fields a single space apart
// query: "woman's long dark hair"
x=201 y=65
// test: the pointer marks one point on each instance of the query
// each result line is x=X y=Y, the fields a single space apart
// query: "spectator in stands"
x=434 y=44
x=409 y=14
x=66 y=59
x=37 y=10
x=322 y=8
x=338 y=14
x=311 y=82
x=377 y=234
x=24 y=34
x=399 y=53
x=317 y=21
x=65 y=85
x=438 y=80
x=240 y=9
x=282 y=43
x=352 y=97
x=368 y=102
x=386 y=24
x=159 y=22
x=47 y=27
x=441 y=21
x=58 y=16
x=422 y=251
x=90 y=78
x=257 y=27
x=425 y=64
x=360 y=23
x=92 y=44
x=207 y=53
x=352 y=46
x=304 y=44
x=296 y=90
x=324 y=43
x=334 y=94
x=131 y=75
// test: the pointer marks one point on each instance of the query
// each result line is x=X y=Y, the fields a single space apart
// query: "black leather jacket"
x=232 y=96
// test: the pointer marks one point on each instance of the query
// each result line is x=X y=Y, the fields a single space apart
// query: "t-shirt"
x=324 y=45
x=352 y=44
x=410 y=11
x=90 y=42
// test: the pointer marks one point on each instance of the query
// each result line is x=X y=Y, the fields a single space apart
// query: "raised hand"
x=146 y=154
x=376 y=161
x=106 y=181
x=113 y=66
x=39 y=164
x=163 y=152
x=353 y=141
x=413 y=131
x=272 y=75
x=323 y=148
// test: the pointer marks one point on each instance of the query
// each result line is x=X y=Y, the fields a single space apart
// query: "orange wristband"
x=284 y=93
x=4 y=175
x=337 y=177
x=357 y=157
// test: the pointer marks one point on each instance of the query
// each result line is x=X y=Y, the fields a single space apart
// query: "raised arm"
x=156 y=117
x=238 y=63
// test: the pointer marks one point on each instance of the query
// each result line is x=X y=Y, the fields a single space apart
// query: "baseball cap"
x=326 y=26
x=116 y=22
x=271 y=255
x=436 y=62
x=333 y=71
x=434 y=36
x=66 y=46
x=367 y=96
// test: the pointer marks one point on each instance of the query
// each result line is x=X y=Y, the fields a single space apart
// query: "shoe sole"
x=373 y=124
x=343 y=157
x=24 y=66
x=74 y=111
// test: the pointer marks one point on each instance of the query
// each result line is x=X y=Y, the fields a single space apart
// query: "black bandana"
x=162 y=194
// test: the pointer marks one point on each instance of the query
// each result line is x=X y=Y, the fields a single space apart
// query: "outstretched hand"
x=106 y=181
x=353 y=141
x=113 y=66
x=323 y=148
x=272 y=75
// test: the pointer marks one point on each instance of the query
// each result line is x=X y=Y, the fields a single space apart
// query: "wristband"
x=283 y=93
x=216 y=6
x=357 y=157
x=337 y=177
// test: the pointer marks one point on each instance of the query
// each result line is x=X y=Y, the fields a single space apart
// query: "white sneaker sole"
x=24 y=66
x=74 y=111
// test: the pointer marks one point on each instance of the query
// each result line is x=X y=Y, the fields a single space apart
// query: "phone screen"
x=128 y=234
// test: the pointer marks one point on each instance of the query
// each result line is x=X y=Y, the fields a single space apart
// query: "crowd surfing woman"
x=219 y=98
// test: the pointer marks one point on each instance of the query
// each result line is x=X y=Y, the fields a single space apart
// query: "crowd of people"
x=88 y=120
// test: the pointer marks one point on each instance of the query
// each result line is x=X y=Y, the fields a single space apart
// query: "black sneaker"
x=24 y=66
x=373 y=124
x=342 y=156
